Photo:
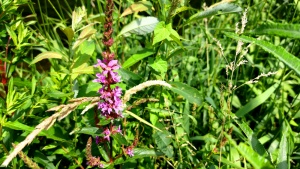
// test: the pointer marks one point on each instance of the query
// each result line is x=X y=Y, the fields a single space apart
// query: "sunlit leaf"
x=160 y=66
x=87 y=32
x=140 y=26
x=137 y=57
x=46 y=55
x=137 y=7
x=69 y=33
x=222 y=7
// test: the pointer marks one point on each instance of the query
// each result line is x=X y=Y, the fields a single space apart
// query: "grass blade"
x=290 y=60
x=277 y=29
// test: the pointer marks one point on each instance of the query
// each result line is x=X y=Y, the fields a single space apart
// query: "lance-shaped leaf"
x=218 y=8
x=137 y=7
x=46 y=55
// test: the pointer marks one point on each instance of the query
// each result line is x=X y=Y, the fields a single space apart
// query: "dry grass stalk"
x=27 y=160
x=62 y=111
x=141 y=86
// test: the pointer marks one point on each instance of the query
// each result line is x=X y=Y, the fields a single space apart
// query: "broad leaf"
x=137 y=57
x=85 y=51
x=161 y=32
x=140 y=26
x=87 y=32
x=222 y=7
x=69 y=33
x=188 y=92
x=160 y=66
x=282 y=160
x=120 y=139
x=163 y=140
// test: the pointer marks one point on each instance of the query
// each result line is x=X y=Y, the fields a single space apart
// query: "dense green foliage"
x=233 y=102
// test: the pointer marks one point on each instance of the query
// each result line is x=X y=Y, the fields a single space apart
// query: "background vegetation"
x=234 y=100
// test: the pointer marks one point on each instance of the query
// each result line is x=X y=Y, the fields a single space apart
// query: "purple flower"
x=107 y=133
x=97 y=139
x=106 y=67
x=115 y=76
x=118 y=130
x=129 y=151
x=101 y=78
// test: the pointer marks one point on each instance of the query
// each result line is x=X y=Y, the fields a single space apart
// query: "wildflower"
x=107 y=134
x=118 y=130
x=129 y=151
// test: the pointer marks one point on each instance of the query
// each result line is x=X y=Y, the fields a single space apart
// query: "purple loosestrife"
x=110 y=104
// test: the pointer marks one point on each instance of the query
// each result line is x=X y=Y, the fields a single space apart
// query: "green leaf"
x=19 y=126
x=140 y=26
x=130 y=78
x=218 y=8
x=256 y=160
x=188 y=92
x=290 y=60
x=256 y=101
x=227 y=162
x=85 y=51
x=140 y=55
x=69 y=33
x=103 y=153
x=87 y=32
x=58 y=94
x=282 y=159
x=137 y=7
x=161 y=32
x=120 y=139
x=12 y=34
x=83 y=69
x=44 y=160
x=252 y=139
x=46 y=55
x=278 y=29
x=163 y=140
x=94 y=131
x=141 y=153
x=160 y=66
